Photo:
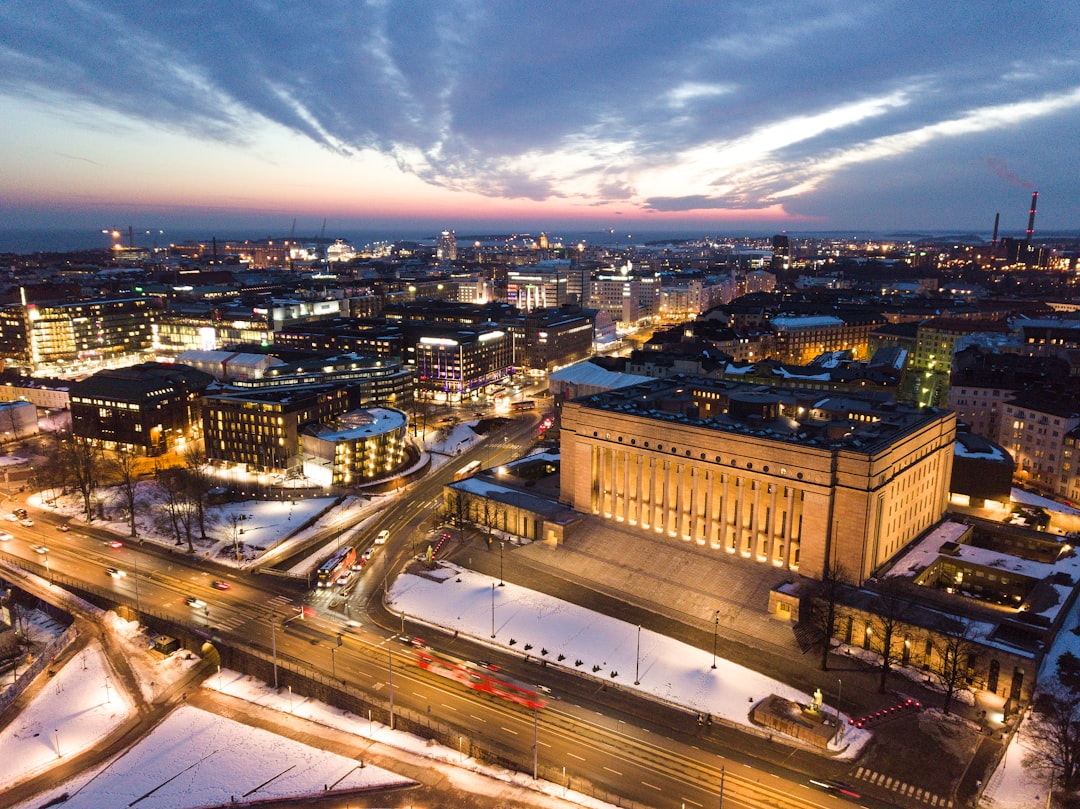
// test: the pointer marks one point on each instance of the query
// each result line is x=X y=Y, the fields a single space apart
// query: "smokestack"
x=997 y=218
x=131 y=236
x=1031 y=216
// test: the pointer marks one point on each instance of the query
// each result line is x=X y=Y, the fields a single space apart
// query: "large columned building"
x=795 y=479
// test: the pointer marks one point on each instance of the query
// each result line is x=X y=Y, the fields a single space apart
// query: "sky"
x=763 y=115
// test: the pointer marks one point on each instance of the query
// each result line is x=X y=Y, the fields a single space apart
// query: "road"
x=617 y=742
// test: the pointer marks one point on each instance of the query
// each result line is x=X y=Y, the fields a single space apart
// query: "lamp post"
x=637 y=658
x=390 y=665
x=273 y=645
x=56 y=736
x=290 y=699
x=839 y=723
x=333 y=664
x=137 y=605
x=502 y=544
x=493 y=609
x=716 y=629
x=721 y=787
x=108 y=696
x=48 y=572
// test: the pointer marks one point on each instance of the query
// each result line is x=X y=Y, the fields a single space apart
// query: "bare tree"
x=82 y=460
x=825 y=608
x=178 y=506
x=1055 y=738
x=51 y=472
x=890 y=610
x=198 y=483
x=123 y=466
x=234 y=520
x=955 y=645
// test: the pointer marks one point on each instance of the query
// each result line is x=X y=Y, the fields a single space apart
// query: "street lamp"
x=637 y=658
x=716 y=629
x=493 y=609
x=502 y=544
x=48 y=572
x=273 y=645
x=839 y=694
x=56 y=736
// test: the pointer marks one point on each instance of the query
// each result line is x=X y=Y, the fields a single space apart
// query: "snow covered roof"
x=587 y=373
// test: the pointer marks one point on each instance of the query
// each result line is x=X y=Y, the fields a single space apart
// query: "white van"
x=382 y=537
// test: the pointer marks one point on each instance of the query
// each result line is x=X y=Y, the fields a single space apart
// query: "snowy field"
x=543 y=628
x=75 y=709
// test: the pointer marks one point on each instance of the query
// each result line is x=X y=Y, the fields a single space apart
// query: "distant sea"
x=27 y=241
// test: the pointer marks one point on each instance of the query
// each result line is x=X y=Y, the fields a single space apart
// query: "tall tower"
x=1031 y=216
x=446 y=249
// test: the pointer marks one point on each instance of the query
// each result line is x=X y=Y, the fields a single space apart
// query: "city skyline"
x=698 y=117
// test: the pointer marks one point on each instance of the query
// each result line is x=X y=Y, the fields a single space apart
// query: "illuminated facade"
x=788 y=478
x=459 y=365
x=35 y=334
x=359 y=446
x=149 y=408
x=261 y=429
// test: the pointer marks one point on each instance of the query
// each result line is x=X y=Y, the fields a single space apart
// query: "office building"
x=150 y=408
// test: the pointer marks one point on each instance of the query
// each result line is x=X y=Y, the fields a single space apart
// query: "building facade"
x=358 y=446
x=261 y=429
x=150 y=408
x=785 y=478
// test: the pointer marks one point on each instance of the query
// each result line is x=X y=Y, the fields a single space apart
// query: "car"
x=411 y=640
x=63 y=527
x=191 y=601
x=342 y=580
x=367 y=554
x=5 y=536
x=116 y=573
x=486 y=665
x=26 y=521
x=218 y=584
x=836 y=787
x=381 y=537
x=40 y=549
x=13 y=517
x=116 y=543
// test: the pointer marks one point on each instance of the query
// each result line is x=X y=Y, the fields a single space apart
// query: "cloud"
x=660 y=106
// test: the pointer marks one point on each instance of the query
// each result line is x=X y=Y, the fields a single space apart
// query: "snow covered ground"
x=76 y=708
x=543 y=628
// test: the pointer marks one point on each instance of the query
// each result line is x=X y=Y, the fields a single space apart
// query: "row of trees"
x=81 y=465
x=953 y=644
x=460 y=508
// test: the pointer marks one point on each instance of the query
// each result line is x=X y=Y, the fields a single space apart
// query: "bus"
x=467 y=470
x=527 y=404
x=339 y=563
x=473 y=676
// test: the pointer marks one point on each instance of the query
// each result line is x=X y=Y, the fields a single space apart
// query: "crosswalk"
x=902 y=788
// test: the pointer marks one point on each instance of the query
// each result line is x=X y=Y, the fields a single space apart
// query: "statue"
x=816 y=704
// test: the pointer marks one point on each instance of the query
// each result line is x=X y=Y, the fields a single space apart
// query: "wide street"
x=588 y=737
